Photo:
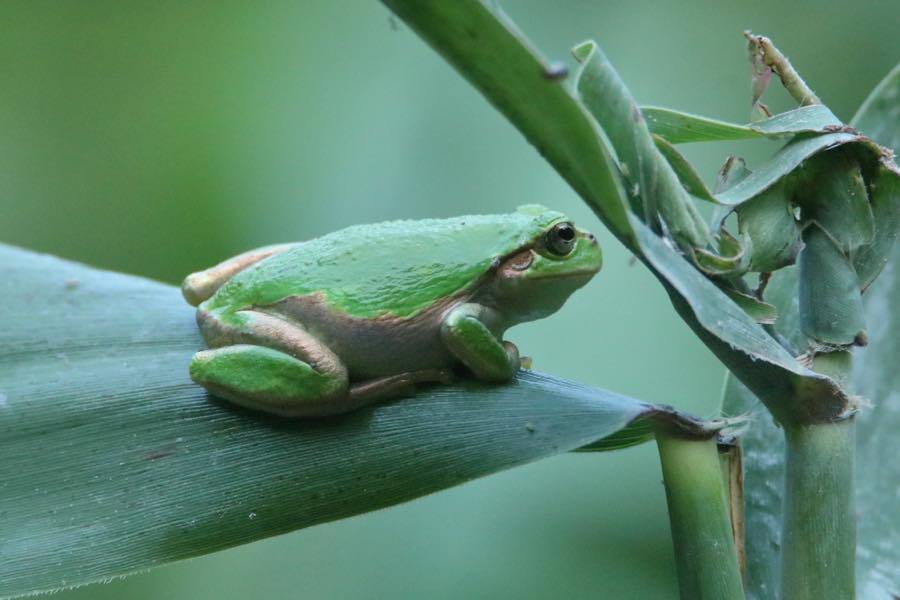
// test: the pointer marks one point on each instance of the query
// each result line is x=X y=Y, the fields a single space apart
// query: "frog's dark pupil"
x=561 y=239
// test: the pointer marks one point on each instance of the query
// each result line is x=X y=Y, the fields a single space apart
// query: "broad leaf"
x=767 y=223
x=114 y=461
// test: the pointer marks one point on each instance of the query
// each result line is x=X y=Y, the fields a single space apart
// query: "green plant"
x=166 y=435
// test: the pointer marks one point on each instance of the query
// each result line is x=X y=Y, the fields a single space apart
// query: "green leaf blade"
x=831 y=310
x=678 y=127
x=480 y=42
x=115 y=461
x=681 y=128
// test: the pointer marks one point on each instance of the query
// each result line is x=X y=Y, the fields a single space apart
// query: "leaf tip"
x=582 y=52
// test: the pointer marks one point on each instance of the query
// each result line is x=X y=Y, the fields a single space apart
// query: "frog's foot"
x=477 y=347
x=395 y=386
x=264 y=379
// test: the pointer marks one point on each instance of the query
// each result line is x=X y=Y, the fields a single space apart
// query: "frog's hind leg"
x=201 y=285
x=269 y=364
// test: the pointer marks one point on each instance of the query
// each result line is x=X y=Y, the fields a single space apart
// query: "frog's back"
x=396 y=268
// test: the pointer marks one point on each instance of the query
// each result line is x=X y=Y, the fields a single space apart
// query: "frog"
x=367 y=313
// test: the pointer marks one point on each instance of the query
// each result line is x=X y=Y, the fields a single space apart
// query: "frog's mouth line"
x=569 y=274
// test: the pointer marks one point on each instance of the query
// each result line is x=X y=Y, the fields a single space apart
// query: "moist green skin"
x=363 y=314
x=396 y=268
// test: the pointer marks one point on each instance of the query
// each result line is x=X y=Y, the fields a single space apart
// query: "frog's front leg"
x=269 y=364
x=468 y=337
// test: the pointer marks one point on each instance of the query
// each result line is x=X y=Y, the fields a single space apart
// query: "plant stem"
x=819 y=525
x=698 y=513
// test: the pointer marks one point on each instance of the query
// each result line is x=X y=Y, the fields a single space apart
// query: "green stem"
x=698 y=513
x=819 y=525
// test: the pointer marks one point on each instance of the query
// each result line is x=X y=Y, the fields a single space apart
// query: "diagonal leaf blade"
x=477 y=39
x=114 y=461
x=680 y=128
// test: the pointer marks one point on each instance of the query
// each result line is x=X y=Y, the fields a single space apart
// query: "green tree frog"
x=363 y=314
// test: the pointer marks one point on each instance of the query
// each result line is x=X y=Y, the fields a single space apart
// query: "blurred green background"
x=159 y=137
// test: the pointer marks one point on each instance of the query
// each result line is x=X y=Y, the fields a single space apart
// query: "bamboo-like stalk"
x=819 y=524
x=705 y=554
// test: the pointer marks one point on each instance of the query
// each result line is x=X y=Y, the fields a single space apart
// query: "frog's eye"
x=561 y=239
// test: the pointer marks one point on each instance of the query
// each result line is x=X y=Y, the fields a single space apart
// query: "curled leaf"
x=831 y=192
x=730 y=259
x=831 y=311
x=768 y=222
x=784 y=162
x=761 y=312
x=732 y=171
x=870 y=260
